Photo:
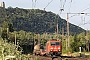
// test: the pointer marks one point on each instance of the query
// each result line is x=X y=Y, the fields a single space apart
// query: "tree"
x=6 y=28
x=5 y=25
x=11 y=29
x=75 y=44
x=4 y=34
x=82 y=38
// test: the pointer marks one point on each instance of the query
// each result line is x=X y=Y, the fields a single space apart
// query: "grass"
x=83 y=54
x=77 y=54
x=0 y=58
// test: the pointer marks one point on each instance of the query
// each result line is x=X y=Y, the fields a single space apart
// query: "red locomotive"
x=54 y=47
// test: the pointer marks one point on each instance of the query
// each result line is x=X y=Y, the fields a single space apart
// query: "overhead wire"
x=82 y=20
x=34 y=3
x=35 y=0
x=88 y=22
x=81 y=11
x=86 y=9
x=70 y=5
x=48 y=4
x=62 y=5
x=84 y=17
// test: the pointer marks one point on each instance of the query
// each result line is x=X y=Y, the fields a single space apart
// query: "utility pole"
x=15 y=40
x=67 y=40
x=7 y=33
x=87 y=41
x=57 y=31
x=68 y=31
x=62 y=34
x=38 y=38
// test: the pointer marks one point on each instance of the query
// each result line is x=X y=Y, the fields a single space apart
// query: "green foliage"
x=37 y=58
x=5 y=25
x=34 y=20
x=78 y=41
x=11 y=29
x=64 y=46
x=75 y=44
x=4 y=34
x=8 y=49
x=6 y=28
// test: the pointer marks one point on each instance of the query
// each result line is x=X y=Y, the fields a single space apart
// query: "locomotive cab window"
x=52 y=43
x=55 y=43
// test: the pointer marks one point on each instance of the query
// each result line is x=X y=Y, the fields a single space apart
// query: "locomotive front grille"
x=55 y=50
x=55 y=53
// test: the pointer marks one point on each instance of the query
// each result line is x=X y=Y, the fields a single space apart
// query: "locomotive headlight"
x=58 y=48
x=51 y=48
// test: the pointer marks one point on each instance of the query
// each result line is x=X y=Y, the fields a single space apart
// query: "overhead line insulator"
x=82 y=13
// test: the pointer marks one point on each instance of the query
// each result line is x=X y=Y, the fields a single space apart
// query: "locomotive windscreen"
x=55 y=43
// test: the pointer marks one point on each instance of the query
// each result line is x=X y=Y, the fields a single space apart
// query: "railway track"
x=58 y=58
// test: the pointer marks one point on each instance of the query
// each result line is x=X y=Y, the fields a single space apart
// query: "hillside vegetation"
x=35 y=20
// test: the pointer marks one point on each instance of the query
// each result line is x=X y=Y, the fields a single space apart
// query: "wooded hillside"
x=35 y=20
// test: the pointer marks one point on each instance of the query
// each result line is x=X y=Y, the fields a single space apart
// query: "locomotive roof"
x=53 y=40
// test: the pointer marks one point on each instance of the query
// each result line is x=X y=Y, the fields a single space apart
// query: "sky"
x=70 y=6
